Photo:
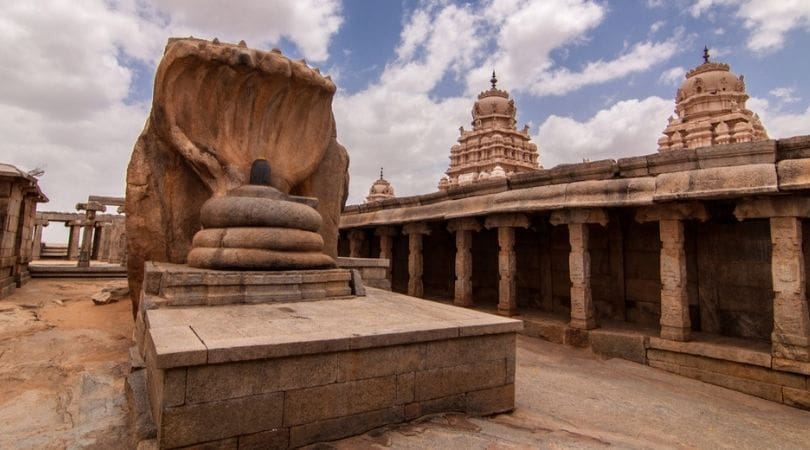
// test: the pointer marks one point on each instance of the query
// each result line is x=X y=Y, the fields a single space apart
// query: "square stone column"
x=507 y=260
x=89 y=224
x=356 y=238
x=790 y=340
x=583 y=312
x=463 y=228
x=675 y=322
x=36 y=242
x=415 y=263
x=73 y=239
x=386 y=235
x=791 y=318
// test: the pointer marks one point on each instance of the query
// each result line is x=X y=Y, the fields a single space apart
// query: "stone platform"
x=167 y=284
x=278 y=375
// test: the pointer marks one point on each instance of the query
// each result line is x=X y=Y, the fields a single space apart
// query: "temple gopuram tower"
x=380 y=190
x=710 y=110
x=494 y=148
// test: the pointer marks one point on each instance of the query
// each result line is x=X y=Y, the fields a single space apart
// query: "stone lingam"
x=258 y=227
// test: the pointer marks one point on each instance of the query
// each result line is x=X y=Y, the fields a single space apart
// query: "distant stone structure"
x=710 y=110
x=19 y=195
x=380 y=190
x=494 y=148
x=691 y=259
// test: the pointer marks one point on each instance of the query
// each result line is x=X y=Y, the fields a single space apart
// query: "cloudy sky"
x=592 y=79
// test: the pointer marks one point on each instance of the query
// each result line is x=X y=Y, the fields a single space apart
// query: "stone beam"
x=507 y=220
x=111 y=201
x=773 y=207
x=579 y=216
x=672 y=211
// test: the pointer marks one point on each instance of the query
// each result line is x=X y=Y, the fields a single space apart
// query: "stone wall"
x=19 y=195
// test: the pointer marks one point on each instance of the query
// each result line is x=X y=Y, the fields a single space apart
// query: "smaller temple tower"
x=710 y=110
x=494 y=148
x=380 y=190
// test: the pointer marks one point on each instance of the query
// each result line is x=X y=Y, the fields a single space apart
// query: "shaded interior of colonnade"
x=728 y=264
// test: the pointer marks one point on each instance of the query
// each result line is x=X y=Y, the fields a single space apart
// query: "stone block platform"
x=167 y=284
x=279 y=375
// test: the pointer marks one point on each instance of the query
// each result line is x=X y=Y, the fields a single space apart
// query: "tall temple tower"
x=380 y=190
x=494 y=148
x=710 y=110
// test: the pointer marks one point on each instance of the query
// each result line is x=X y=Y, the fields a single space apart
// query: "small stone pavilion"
x=19 y=195
x=691 y=259
x=494 y=148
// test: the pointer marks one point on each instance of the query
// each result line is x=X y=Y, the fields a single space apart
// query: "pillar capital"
x=385 y=231
x=506 y=220
x=416 y=228
x=464 y=224
x=673 y=211
x=90 y=206
x=41 y=222
x=773 y=207
x=579 y=216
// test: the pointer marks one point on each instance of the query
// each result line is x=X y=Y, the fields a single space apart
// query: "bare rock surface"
x=217 y=108
x=62 y=367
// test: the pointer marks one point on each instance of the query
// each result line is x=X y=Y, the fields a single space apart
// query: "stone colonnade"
x=791 y=327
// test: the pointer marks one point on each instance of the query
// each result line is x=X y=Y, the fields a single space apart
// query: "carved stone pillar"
x=415 y=263
x=463 y=228
x=73 y=239
x=790 y=340
x=89 y=225
x=356 y=238
x=36 y=243
x=507 y=260
x=583 y=312
x=386 y=235
x=675 y=322
x=791 y=318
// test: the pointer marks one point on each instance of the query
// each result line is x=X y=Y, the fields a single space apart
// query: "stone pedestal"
x=285 y=375
x=414 y=231
x=463 y=228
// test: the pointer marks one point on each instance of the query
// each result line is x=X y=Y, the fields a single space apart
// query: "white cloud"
x=768 y=22
x=785 y=94
x=69 y=72
x=672 y=77
x=641 y=57
x=657 y=26
x=628 y=128
x=778 y=123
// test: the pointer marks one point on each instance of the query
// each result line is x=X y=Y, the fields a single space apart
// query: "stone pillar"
x=36 y=243
x=386 y=235
x=791 y=317
x=73 y=239
x=583 y=312
x=356 y=238
x=89 y=224
x=675 y=322
x=415 y=264
x=507 y=260
x=790 y=340
x=463 y=228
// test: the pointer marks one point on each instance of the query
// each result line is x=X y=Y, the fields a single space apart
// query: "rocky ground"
x=63 y=361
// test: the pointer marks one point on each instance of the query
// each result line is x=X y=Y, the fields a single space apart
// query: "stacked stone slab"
x=19 y=195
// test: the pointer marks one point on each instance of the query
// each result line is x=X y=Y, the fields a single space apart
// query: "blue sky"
x=593 y=78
